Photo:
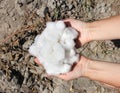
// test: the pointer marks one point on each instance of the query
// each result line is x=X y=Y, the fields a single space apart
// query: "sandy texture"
x=19 y=73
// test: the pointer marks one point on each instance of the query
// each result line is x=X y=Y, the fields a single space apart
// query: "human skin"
x=105 y=72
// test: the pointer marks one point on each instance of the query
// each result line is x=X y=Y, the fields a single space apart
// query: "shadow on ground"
x=116 y=42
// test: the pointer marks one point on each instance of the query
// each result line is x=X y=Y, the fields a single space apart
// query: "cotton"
x=55 y=48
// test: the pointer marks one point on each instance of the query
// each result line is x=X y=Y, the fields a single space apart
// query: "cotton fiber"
x=55 y=48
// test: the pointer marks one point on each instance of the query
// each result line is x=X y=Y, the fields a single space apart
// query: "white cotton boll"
x=57 y=69
x=53 y=38
x=47 y=52
x=66 y=68
x=68 y=44
x=74 y=59
x=41 y=59
x=67 y=53
x=66 y=61
x=40 y=40
x=72 y=52
x=72 y=33
x=52 y=35
x=53 y=31
x=60 y=25
x=33 y=50
x=55 y=48
x=50 y=69
x=53 y=54
x=59 y=52
x=70 y=57
x=37 y=38
x=65 y=35
x=50 y=25
x=50 y=31
x=53 y=69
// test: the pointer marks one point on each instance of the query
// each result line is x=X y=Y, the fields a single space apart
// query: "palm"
x=81 y=28
x=77 y=71
x=83 y=38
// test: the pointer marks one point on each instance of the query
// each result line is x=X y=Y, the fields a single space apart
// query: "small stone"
x=18 y=5
x=5 y=25
x=13 y=18
x=40 y=11
x=46 y=91
x=27 y=44
x=3 y=11
x=29 y=1
x=1 y=73
x=102 y=10
x=70 y=7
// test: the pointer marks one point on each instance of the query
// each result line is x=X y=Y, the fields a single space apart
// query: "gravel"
x=19 y=73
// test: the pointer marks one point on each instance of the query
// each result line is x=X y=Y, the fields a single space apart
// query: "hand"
x=82 y=28
x=84 y=36
x=77 y=71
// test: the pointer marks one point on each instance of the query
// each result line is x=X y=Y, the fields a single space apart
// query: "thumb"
x=67 y=76
x=37 y=61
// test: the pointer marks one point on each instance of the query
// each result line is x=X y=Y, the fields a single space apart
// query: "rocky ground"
x=22 y=20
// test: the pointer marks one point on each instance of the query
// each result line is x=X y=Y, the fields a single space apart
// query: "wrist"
x=89 y=68
x=85 y=33
x=93 y=28
x=85 y=66
x=94 y=69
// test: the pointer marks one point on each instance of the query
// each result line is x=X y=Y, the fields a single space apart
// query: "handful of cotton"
x=55 y=48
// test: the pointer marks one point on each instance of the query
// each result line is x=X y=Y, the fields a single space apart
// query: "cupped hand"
x=80 y=67
x=77 y=70
x=82 y=28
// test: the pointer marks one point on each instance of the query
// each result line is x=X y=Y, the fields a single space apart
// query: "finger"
x=67 y=76
x=107 y=85
x=64 y=77
x=69 y=19
x=49 y=76
x=37 y=61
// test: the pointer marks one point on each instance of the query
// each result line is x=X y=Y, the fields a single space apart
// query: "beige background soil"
x=19 y=73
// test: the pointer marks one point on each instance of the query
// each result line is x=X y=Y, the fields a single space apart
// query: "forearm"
x=105 y=29
x=103 y=71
